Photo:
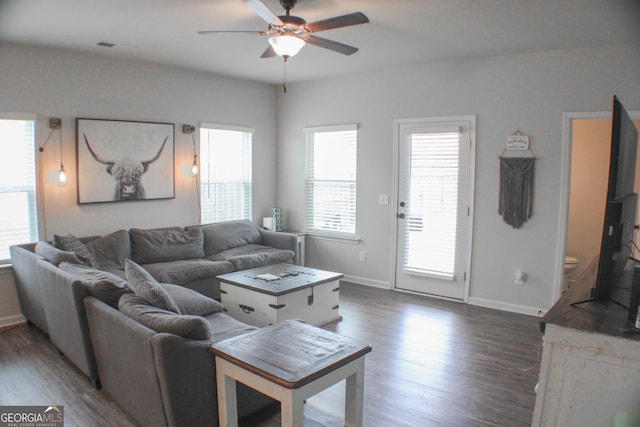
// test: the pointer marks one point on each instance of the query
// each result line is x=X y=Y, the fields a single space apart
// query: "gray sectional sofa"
x=54 y=284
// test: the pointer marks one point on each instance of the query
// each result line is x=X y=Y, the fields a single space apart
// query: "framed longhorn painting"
x=121 y=161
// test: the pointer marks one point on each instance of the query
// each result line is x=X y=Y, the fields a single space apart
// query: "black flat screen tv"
x=615 y=265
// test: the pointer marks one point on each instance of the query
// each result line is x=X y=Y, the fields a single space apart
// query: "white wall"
x=526 y=92
x=50 y=82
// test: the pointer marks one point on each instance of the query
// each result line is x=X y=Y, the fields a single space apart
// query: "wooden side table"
x=290 y=362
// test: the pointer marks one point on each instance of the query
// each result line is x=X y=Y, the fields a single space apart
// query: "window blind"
x=433 y=203
x=226 y=188
x=331 y=181
x=19 y=219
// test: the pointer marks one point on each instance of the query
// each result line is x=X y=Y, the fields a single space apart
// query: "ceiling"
x=400 y=32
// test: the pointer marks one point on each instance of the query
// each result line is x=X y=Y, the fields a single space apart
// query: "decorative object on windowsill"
x=55 y=123
x=277 y=218
x=517 y=163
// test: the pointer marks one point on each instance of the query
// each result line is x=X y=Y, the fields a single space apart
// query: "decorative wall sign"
x=517 y=166
x=124 y=160
x=518 y=141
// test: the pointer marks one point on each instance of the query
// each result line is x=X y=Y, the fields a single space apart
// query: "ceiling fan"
x=288 y=33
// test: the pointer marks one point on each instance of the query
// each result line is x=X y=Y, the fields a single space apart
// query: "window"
x=225 y=179
x=19 y=219
x=331 y=180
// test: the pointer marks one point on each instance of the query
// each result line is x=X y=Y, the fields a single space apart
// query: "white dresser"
x=590 y=367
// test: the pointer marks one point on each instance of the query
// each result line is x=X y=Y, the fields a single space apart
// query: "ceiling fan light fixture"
x=286 y=45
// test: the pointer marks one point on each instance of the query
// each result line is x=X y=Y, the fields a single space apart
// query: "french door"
x=434 y=206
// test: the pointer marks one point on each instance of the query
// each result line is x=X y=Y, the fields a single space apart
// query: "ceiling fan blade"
x=335 y=46
x=229 y=31
x=264 y=12
x=268 y=53
x=338 y=21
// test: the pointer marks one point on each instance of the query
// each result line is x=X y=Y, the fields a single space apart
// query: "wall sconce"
x=189 y=129
x=55 y=123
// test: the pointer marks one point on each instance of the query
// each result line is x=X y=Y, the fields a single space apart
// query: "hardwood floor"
x=434 y=363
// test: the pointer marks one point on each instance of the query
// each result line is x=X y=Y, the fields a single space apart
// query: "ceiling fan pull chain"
x=284 y=76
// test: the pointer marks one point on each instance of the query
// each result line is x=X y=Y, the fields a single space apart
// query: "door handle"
x=400 y=215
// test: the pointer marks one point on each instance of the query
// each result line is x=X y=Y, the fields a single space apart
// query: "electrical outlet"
x=521 y=278
x=363 y=256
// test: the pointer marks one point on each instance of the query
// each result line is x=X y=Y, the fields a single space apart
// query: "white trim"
x=16 y=319
x=565 y=189
x=18 y=116
x=367 y=282
x=331 y=128
x=504 y=306
x=353 y=240
x=480 y=302
x=247 y=129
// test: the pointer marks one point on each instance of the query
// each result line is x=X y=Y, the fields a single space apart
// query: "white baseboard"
x=497 y=305
x=12 y=320
x=514 y=308
x=367 y=282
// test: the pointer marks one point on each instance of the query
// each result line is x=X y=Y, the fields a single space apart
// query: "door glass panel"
x=431 y=221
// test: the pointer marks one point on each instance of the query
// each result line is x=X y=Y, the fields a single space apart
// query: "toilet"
x=570 y=264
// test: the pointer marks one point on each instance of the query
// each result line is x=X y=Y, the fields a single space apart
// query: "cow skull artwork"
x=127 y=172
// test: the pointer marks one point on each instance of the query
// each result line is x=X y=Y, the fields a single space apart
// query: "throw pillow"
x=73 y=244
x=54 y=255
x=105 y=286
x=190 y=301
x=111 y=250
x=187 y=326
x=145 y=286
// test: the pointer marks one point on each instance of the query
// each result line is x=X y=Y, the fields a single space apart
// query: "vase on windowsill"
x=276 y=213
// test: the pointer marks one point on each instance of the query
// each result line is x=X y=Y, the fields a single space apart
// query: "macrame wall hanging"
x=517 y=163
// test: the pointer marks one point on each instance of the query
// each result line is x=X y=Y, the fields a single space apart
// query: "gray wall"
x=58 y=83
x=68 y=85
x=527 y=92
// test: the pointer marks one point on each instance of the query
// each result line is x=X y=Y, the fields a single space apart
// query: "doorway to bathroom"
x=590 y=145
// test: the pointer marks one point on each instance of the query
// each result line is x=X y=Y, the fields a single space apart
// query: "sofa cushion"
x=145 y=286
x=190 y=301
x=111 y=250
x=54 y=255
x=187 y=326
x=187 y=271
x=228 y=234
x=159 y=245
x=252 y=256
x=71 y=243
x=105 y=286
